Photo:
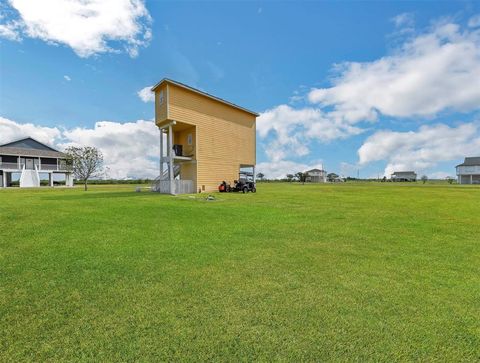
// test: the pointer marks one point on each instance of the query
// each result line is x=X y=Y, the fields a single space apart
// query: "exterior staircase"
x=29 y=178
x=157 y=183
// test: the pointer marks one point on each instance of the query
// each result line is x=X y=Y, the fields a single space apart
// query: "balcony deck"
x=16 y=167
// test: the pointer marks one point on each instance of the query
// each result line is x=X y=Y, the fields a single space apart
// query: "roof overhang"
x=205 y=94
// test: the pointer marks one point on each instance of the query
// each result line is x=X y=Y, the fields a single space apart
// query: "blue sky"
x=368 y=86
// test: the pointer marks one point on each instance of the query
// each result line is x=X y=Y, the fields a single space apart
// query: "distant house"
x=469 y=171
x=334 y=178
x=404 y=176
x=316 y=176
x=29 y=157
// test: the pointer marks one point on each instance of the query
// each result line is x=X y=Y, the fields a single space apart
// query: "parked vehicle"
x=244 y=184
x=224 y=187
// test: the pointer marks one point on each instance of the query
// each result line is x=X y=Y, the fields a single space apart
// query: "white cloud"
x=11 y=130
x=130 y=149
x=146 y=95
x=9 y=31
x=422 y=149
x=294 y=128
x=67 y=78
x=442 y=175
x=279 y=169
x=87 y=26
x=404 y=20
x=474 y=21
x=430 y=73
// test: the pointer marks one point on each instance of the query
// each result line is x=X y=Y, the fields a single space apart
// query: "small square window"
x=160 y=97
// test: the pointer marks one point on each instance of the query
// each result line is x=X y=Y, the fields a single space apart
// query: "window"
x=160 y=97
x=189 y=139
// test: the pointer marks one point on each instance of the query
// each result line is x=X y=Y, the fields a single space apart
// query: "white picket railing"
x=46 y=167
x=13 y=166
x=173 y=187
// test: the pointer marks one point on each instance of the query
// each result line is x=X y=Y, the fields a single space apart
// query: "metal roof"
x=187 y=87
x=42 y=150
x=472 y=161
x=20 y=151
x=403 y=172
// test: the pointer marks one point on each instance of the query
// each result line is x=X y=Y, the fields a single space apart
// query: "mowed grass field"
x=351 y=272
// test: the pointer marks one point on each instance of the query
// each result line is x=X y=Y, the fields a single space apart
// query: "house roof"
x=471 y=161
x=187 y=87
x=403 y=172
x=30 y=147
x=315 y=170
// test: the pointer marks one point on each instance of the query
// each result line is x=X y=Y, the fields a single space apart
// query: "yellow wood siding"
x=161 y=108
x=181 y=137
x=223 y=136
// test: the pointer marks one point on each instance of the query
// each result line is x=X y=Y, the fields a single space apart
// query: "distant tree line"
x=301 y=177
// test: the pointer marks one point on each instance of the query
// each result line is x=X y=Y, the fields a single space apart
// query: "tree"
x=424 y=179
x=302 y=177
x=449 y=180
x=290 y=177
x=260 y=176
x=86 y=162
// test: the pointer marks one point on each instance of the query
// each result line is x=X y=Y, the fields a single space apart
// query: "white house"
x=404 y=176
x=469 y=171
x=316 y=176
x=30 y=158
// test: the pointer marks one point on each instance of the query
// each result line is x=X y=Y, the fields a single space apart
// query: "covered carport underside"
x=469 y=179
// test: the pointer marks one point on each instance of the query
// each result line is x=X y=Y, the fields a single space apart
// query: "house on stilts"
x=29 y=159
x=204 y=140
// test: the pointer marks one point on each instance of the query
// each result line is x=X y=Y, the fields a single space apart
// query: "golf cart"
x=244 y=184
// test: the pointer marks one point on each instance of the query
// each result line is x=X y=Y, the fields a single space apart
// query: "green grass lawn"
x=351 y=272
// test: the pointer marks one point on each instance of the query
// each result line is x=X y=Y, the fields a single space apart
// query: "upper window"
x=189 y=139
x=160 y=97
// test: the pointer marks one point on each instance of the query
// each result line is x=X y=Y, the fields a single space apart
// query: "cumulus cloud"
x=146 y=95
x=87 y=26
x=422 y=149
x=403 y=20
x=130 y=149
x=428 y=73
x=11 y=130
x=279 y=169
x=67 y=78
x=474 y=21
x=294 y=128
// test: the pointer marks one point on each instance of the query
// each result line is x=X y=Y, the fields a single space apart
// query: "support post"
x=4 y=179
x=170 y=159
x=254 y=175
x=471 y=178
x=68 y=179
x=161 y=154
x=18 y=162
x=50 y=179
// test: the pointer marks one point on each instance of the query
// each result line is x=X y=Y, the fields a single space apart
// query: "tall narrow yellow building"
x=204 y=139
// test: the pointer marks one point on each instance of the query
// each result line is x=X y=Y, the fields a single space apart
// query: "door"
x=29 y=164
